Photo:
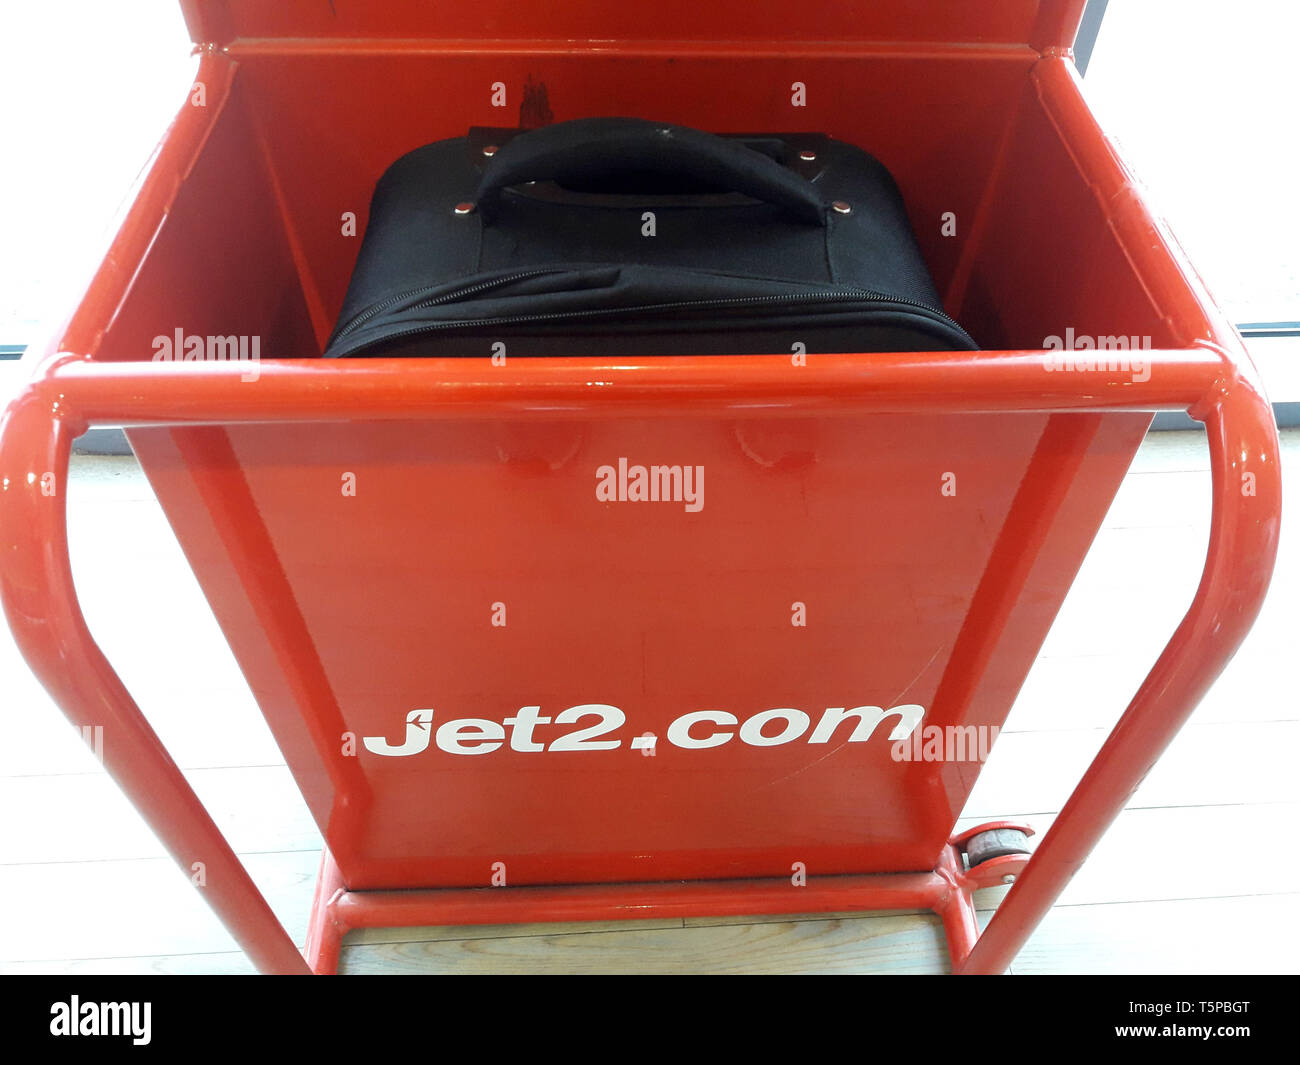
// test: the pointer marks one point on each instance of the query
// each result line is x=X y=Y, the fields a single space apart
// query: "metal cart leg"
x=325 y=931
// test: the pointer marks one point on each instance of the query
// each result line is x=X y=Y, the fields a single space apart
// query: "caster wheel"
x=996 y=843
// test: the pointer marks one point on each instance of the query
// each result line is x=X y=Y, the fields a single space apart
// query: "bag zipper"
x=837 y=296
x=358 y=320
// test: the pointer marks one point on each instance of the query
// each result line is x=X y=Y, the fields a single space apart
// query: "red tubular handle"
x=1244 y=533
x=40 y=602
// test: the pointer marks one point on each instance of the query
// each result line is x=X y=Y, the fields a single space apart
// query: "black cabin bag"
x=620 y=236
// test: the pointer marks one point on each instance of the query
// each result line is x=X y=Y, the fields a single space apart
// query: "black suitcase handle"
x=628 y=145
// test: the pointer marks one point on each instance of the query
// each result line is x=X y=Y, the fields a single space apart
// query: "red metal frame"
x=72 y=393
x=1199 y=368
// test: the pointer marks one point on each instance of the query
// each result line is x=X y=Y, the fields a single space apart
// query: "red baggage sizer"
x=517 y=698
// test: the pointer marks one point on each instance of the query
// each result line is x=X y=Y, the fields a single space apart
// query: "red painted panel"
x=1042 y=22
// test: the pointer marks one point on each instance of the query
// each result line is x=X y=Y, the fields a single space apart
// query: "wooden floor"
x=1199 y=874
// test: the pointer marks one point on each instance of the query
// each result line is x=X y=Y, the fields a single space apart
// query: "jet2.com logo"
x=597 y=727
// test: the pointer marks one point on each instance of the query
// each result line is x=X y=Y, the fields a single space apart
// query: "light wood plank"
x=230 y=963
x=118 y=909
x=1083 y=692
x=1185 y=852
x=846 y=915
x=1174 y=500
x=86 y=818
x=894 y=944
x=1176 y=451
x=1245 y=935
x=1210 y=764
x=455 y=933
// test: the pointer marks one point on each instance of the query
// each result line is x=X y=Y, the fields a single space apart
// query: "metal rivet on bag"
x=464 y=208
x=841 y=207
x=490 y=150
x=807 y=156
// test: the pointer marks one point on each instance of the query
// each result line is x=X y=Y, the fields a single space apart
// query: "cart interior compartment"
x=256 y=240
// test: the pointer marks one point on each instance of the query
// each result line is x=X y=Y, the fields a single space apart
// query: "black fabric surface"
x=740 y=240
